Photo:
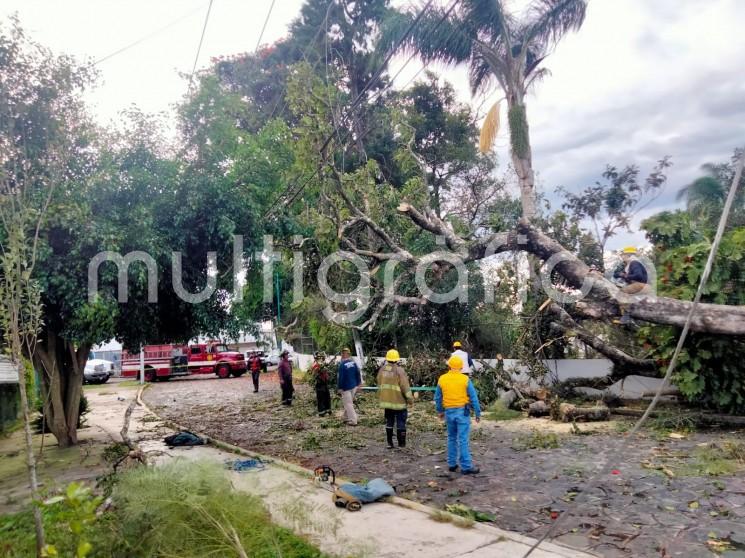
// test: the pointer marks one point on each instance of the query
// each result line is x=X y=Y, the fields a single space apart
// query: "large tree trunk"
x=60 y=364
x=522 y=158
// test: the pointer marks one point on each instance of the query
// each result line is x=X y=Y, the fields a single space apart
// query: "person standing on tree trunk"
x=395 y=395
x=348 y=383
x=455 y=397
x=285 y=378
x=254 y=365
x=320 y=375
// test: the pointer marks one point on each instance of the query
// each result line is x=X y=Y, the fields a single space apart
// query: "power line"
x=146 y=37
x=268 y=15
x=199 y=48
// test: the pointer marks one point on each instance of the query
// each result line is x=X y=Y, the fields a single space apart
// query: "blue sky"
x=642 y=79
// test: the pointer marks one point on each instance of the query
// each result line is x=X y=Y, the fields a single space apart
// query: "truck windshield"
x=220 y=349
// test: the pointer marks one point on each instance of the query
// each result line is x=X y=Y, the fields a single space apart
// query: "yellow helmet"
x=457 y=345
x=392 y=356
x=629 y=250
x=455 y=363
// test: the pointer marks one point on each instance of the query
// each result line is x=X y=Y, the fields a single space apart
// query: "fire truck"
x=163 y=362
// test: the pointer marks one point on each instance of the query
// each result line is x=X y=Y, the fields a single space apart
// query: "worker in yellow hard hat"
x=394 y=394
x=467 y=360
x=633 y=276
x=455 y=398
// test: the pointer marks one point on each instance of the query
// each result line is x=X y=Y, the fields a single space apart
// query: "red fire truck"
x=163 y=362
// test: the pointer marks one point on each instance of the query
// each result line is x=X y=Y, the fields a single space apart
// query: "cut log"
x=570 y=413
x=538 y=409
x=508 y=398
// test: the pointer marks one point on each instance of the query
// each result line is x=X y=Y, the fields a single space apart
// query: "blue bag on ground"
x=373 y=490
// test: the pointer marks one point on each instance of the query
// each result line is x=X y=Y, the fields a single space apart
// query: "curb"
x=494 y=531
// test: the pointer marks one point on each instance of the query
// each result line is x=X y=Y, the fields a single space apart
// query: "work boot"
x=401 y=437
x=389 y=437
x=453 y=468
x=472 y=471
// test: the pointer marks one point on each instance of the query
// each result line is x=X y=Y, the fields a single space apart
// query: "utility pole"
x=142 y=365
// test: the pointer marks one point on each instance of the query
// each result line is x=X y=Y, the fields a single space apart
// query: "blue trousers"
x=459 y=427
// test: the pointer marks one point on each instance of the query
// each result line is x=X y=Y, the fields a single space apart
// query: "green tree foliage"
x=610 y=206
x=709 y=370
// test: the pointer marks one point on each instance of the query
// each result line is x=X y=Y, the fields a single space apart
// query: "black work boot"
x=389 y=436
x=401 y=437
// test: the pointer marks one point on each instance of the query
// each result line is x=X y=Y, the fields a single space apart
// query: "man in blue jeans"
x=455 y=397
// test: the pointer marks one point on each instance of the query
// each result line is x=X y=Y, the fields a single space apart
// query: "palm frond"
x=490 y=128
x=537 y=77
x=550 y=20
x=486 y=19
x=479 y=74
x=437 y=36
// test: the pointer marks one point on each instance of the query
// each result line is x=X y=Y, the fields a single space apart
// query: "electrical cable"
x=146 y=37
x=673 y=361
x=199 y=47
x=266 y=21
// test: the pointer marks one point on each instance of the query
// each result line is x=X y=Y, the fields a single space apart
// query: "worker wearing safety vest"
x=455 y=397
x=394 y=394
x=465 y=357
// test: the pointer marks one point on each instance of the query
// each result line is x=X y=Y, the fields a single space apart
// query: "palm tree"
x=498 y=48
x=706 y=195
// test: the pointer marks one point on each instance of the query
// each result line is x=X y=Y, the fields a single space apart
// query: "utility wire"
x=673 y=361
x=199 y=48
x=146 y=37
x=268 y=15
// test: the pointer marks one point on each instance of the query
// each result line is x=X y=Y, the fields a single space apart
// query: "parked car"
x=273 y=359
x=98 y=371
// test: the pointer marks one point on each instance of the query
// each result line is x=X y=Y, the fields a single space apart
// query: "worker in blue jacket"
x=349 y=381
x=455 y=398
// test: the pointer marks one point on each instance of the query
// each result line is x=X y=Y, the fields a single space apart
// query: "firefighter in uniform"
x=395 y=395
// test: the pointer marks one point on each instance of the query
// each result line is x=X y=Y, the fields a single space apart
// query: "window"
x=196 y=350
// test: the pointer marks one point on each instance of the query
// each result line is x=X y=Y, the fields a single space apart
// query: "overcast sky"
x=642 y=79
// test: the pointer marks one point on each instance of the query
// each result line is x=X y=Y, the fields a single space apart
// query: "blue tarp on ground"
x=373 y=490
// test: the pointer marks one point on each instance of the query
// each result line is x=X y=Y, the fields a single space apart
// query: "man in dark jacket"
x=285 y=378
x=349 y=381
x=634 y=275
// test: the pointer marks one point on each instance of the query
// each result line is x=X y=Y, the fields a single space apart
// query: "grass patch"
x=670 y=421
x=180 y=509
x=469 y=513
x=713 y=460
x=446 y=517
x=536 y=440
x=498 y=411
x=129 y=383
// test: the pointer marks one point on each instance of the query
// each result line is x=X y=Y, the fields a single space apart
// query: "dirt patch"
x=532 y=469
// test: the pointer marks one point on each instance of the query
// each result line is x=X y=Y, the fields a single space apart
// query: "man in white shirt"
x=465 y=357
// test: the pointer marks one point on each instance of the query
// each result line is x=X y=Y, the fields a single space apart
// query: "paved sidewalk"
x=378 y=530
